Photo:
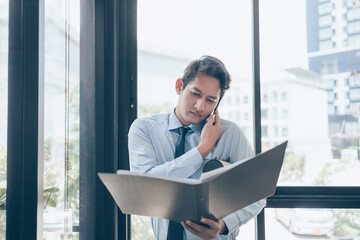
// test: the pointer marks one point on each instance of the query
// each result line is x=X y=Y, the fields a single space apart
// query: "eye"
x=211 y=100
x=195 y=94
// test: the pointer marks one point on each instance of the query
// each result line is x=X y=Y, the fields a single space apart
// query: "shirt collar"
x=175 y=123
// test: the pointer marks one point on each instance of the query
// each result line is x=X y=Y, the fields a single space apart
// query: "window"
x=61 y=118
x=329 y=66
x=304 y=223
x=264 y=131
x=284 y=131
x=326 y=45
x=274 y=97
x=354 y=27
x=274 y=113
x=354 y=94
x=354 y=40
x=331 y=97
x=325 y=8
x=325 y=33
x=4 y=32
x=162 y=58
x=265 y=98
x=246 y=116
x=353 y=14
x=329 y=83
x=325 y=21
x=304 y=111
x=246 y=99
x=276 y=131
x=354 y=81
x=354 y=108
x=264 y=114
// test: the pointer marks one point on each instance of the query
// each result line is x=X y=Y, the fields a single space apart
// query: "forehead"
x=205 y=83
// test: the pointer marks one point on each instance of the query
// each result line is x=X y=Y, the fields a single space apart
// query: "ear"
x=178 y=85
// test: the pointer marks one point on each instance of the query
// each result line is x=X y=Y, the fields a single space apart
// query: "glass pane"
x=165 y=48
x=4 y=36
x=308 y=63
x=302 y=223
x=61 y=135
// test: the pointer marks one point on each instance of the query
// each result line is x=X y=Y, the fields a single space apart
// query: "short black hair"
x=211 y=67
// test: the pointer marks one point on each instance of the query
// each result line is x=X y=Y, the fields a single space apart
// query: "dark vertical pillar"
x=107 y=108
x=25 y=123
x=260 y=227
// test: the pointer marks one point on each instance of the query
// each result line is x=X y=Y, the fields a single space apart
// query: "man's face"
x=197 y=100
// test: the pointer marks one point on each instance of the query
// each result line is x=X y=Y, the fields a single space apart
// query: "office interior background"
x=74 y=74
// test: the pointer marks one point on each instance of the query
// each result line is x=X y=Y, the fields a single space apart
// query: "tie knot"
x=183 y=130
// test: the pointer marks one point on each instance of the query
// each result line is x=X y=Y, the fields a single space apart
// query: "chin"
x=195 y=120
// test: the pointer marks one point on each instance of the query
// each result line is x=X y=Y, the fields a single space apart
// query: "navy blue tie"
x=175 y=230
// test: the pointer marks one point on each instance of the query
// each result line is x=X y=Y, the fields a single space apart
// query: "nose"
x=200 y=104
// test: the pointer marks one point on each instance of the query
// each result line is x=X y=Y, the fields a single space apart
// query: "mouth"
x=197 y=114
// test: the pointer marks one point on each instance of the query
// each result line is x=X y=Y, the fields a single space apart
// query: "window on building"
x=276 y=131
x=265 y=98
x=264 y=114
x=354 y=94
x=354 y=81
x=238 y=116
x=354 y=40
x=325 y=8
x=264 y=131
x=331 y=96
x=325 y=21
x=354 y=108
x=353 y=27
x=329 y=83
x=274 y=113
x=246 y=99
x=284 y=114
x=274 y=97
x=325 y=33
x=284 y=131
x=326 y=45
x=353 y=14
x=284 y=96
x=246 y=116
x=329 y=66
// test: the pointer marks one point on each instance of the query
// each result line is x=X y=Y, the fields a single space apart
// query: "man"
x=153 y=146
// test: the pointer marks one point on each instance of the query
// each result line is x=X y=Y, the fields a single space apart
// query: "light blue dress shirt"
x=151 y=150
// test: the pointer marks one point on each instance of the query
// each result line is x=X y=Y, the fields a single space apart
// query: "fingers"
x=201 y=231
x=209 y=222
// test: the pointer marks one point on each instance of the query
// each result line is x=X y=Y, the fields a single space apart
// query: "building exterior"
x=289 y=100
x=333 y=40
x=333 y=45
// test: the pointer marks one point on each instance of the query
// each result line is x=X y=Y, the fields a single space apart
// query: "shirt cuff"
x=232 y=222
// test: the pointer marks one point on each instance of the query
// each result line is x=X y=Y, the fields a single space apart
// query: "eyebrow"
x=198 y=90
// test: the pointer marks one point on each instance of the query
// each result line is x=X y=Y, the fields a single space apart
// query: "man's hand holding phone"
x=210 y=134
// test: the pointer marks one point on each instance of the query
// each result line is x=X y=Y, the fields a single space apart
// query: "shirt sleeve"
x=241 y=217
x=143 y=158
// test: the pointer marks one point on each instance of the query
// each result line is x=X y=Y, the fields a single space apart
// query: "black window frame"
x=108 y=100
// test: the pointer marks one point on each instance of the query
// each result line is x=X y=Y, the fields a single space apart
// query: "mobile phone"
x=217 y=105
